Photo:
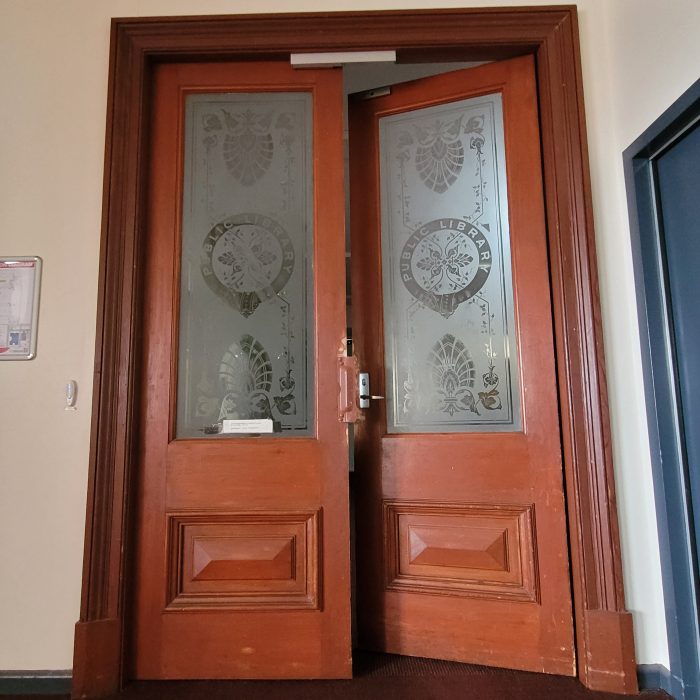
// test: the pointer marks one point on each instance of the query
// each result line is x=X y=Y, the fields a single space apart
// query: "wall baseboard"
x=656 y=676
x=35 y=682
x=650 y=676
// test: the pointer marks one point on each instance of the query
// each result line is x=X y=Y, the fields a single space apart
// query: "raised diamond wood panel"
x=464 y=549
x=484 y=548
x=246 y=560
x=229 y=558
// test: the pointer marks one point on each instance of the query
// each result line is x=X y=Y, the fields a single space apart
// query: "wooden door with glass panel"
x=461 y=547
x=242 y=554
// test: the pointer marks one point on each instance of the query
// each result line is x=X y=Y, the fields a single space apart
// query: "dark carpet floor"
x=382 y=677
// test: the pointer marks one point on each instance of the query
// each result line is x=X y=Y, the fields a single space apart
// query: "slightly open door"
x=462 y=547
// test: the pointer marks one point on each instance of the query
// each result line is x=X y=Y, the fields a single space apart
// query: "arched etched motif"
x=452 y=372
x=248 y=146
x=440 y=154
x=245 y=380
x=245 y=374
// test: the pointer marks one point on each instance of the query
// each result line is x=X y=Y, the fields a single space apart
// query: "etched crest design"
x=248 y=146
x=444 y=263
x=440 y=154
x=247 y=259
x=452 y=372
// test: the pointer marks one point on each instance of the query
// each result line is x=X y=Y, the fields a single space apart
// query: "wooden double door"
x=243 y=563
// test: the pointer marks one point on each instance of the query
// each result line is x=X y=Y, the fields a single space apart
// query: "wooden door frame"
x=604 y=639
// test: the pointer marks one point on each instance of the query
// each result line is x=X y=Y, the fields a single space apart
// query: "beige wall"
x=637 y=57
x=647 y=55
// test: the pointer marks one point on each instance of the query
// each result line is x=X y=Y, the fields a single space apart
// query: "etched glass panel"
x=450 y=353
x=246 y=288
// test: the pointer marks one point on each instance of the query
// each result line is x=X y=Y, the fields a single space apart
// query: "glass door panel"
x=450 y=357
x=246 y=285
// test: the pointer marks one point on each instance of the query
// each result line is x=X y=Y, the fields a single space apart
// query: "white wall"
x=646 y=56
x=53 y=82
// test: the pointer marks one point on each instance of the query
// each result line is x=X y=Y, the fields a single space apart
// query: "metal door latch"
x=348 y=369
x=363 y=390
x=353 y=387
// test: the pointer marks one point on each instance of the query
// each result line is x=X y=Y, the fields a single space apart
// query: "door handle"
x=364 y=391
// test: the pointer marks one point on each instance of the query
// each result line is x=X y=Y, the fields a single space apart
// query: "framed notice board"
x=20 y=278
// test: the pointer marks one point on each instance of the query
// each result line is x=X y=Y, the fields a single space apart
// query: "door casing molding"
x=604 y=638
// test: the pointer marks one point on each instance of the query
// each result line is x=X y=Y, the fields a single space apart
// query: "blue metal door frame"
x=674 y=507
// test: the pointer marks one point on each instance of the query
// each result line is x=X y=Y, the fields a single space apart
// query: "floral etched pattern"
x=452 y=372
x=247 y=256
x=248 y=147
x=446 y=263
x=440 y=154
x=244 y=389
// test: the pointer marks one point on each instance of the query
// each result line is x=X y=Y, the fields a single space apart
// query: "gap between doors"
x=364 y=78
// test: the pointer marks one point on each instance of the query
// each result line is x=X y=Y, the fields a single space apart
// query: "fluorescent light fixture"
x=338 y=58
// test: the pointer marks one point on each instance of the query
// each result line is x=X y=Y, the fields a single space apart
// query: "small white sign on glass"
x=249 y=425
x=20 y=278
